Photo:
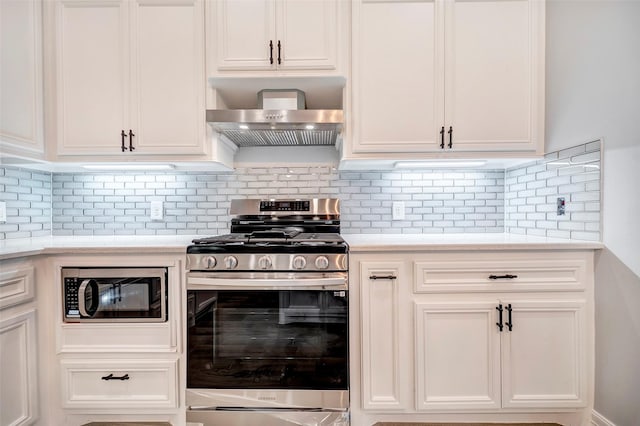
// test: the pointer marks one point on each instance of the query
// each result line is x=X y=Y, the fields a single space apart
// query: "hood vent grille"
x=281 y=137
x=247 y=128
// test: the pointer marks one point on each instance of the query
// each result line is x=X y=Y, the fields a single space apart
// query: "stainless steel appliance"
x=267 y=318
x=114 y=294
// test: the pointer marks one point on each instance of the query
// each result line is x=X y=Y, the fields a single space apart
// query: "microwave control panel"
x=71 y=286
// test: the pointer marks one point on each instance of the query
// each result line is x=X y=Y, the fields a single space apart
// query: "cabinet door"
x=457 y=356
x=244 y=30
x=494 y=74
x=544 y=355
x=306 y=30
x=168 y=84
x=398 y=81
x=92 y=75
x=21 y=77
x=18 y=387
x=381 y=375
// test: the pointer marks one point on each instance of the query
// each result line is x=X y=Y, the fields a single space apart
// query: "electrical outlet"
x=398 y=210
x=156 y=211
x=560 y=206
x=3 y=211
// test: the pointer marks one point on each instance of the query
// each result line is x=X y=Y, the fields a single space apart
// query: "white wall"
x=593 y=90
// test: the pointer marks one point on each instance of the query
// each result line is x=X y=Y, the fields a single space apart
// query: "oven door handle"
x=211 y=283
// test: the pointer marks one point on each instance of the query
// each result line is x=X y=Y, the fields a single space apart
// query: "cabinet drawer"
x=100 y=384
x=16 y=283
x=531 y=271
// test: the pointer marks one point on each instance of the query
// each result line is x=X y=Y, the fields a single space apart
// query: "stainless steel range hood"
x=256 y=127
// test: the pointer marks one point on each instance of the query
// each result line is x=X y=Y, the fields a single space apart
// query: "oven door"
x=275 y=331
x=267 y=418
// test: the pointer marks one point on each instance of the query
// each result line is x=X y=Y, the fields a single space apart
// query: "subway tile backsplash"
x=197 y=203
x=532 y=192
x=27 y=197
x=518 y=200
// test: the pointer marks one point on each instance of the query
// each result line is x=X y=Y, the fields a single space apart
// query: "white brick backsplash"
x=27 y=195
x=573 y=173
x=520 y=200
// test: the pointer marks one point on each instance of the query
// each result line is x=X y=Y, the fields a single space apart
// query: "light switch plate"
x=3 y=211
x=157 y=210
x=398 y=210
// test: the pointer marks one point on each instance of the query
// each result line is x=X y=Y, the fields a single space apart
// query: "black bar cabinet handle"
x=131 y=135
x=279 y=55
x=450 y=137
x=383 y=277
x=112 y=377
x=271 y=52
x=442 y=138
x=502 y=277
x=124 y=135
x=499 y=323
x=509 y=323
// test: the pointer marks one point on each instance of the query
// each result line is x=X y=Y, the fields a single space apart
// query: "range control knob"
x=210 y=262
x=230 y=262
x=264 y=262
x=299 y=262
x=322 y=262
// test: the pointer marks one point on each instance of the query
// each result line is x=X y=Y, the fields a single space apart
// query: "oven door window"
x=269 y=339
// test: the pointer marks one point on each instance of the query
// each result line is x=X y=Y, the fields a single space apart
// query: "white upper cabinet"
x=446 y=76
x=168 y=76
x=398 y=85
x=130 y=77
x=494 y=68
x=21 y=119
x=93 y=78
x=268 y=35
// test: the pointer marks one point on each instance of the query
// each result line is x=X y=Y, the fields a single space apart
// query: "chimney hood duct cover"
x=256 y=127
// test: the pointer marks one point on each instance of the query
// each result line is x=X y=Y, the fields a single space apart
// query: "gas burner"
x=285 y=234
x=310 y=241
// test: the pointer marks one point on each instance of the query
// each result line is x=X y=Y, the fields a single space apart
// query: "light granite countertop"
x=116 y=244
x=486 y=241
x=357 y=243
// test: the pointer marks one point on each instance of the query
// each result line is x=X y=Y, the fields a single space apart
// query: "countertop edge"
x=358 y=243
x=367 y=248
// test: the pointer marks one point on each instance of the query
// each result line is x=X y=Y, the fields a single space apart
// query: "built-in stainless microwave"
x=114 y=294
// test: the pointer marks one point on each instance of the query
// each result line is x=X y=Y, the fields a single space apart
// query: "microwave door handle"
x=266 y=283
x=82 y=290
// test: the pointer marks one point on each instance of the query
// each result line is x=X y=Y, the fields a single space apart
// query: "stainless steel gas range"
x=268 y=318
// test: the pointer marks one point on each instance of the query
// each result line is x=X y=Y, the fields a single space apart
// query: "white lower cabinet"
x=18 y=351
x=96 y=384
x=117 y=371
x=380 y=322
x=500 y=333
x=544 y=355
x=457 y=356
x=461 y=354
x=19 y=399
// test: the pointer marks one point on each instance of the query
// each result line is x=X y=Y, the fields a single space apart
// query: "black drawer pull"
x=383 y=277
x=112 y=377
x=499 y=323
x=502 y=277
